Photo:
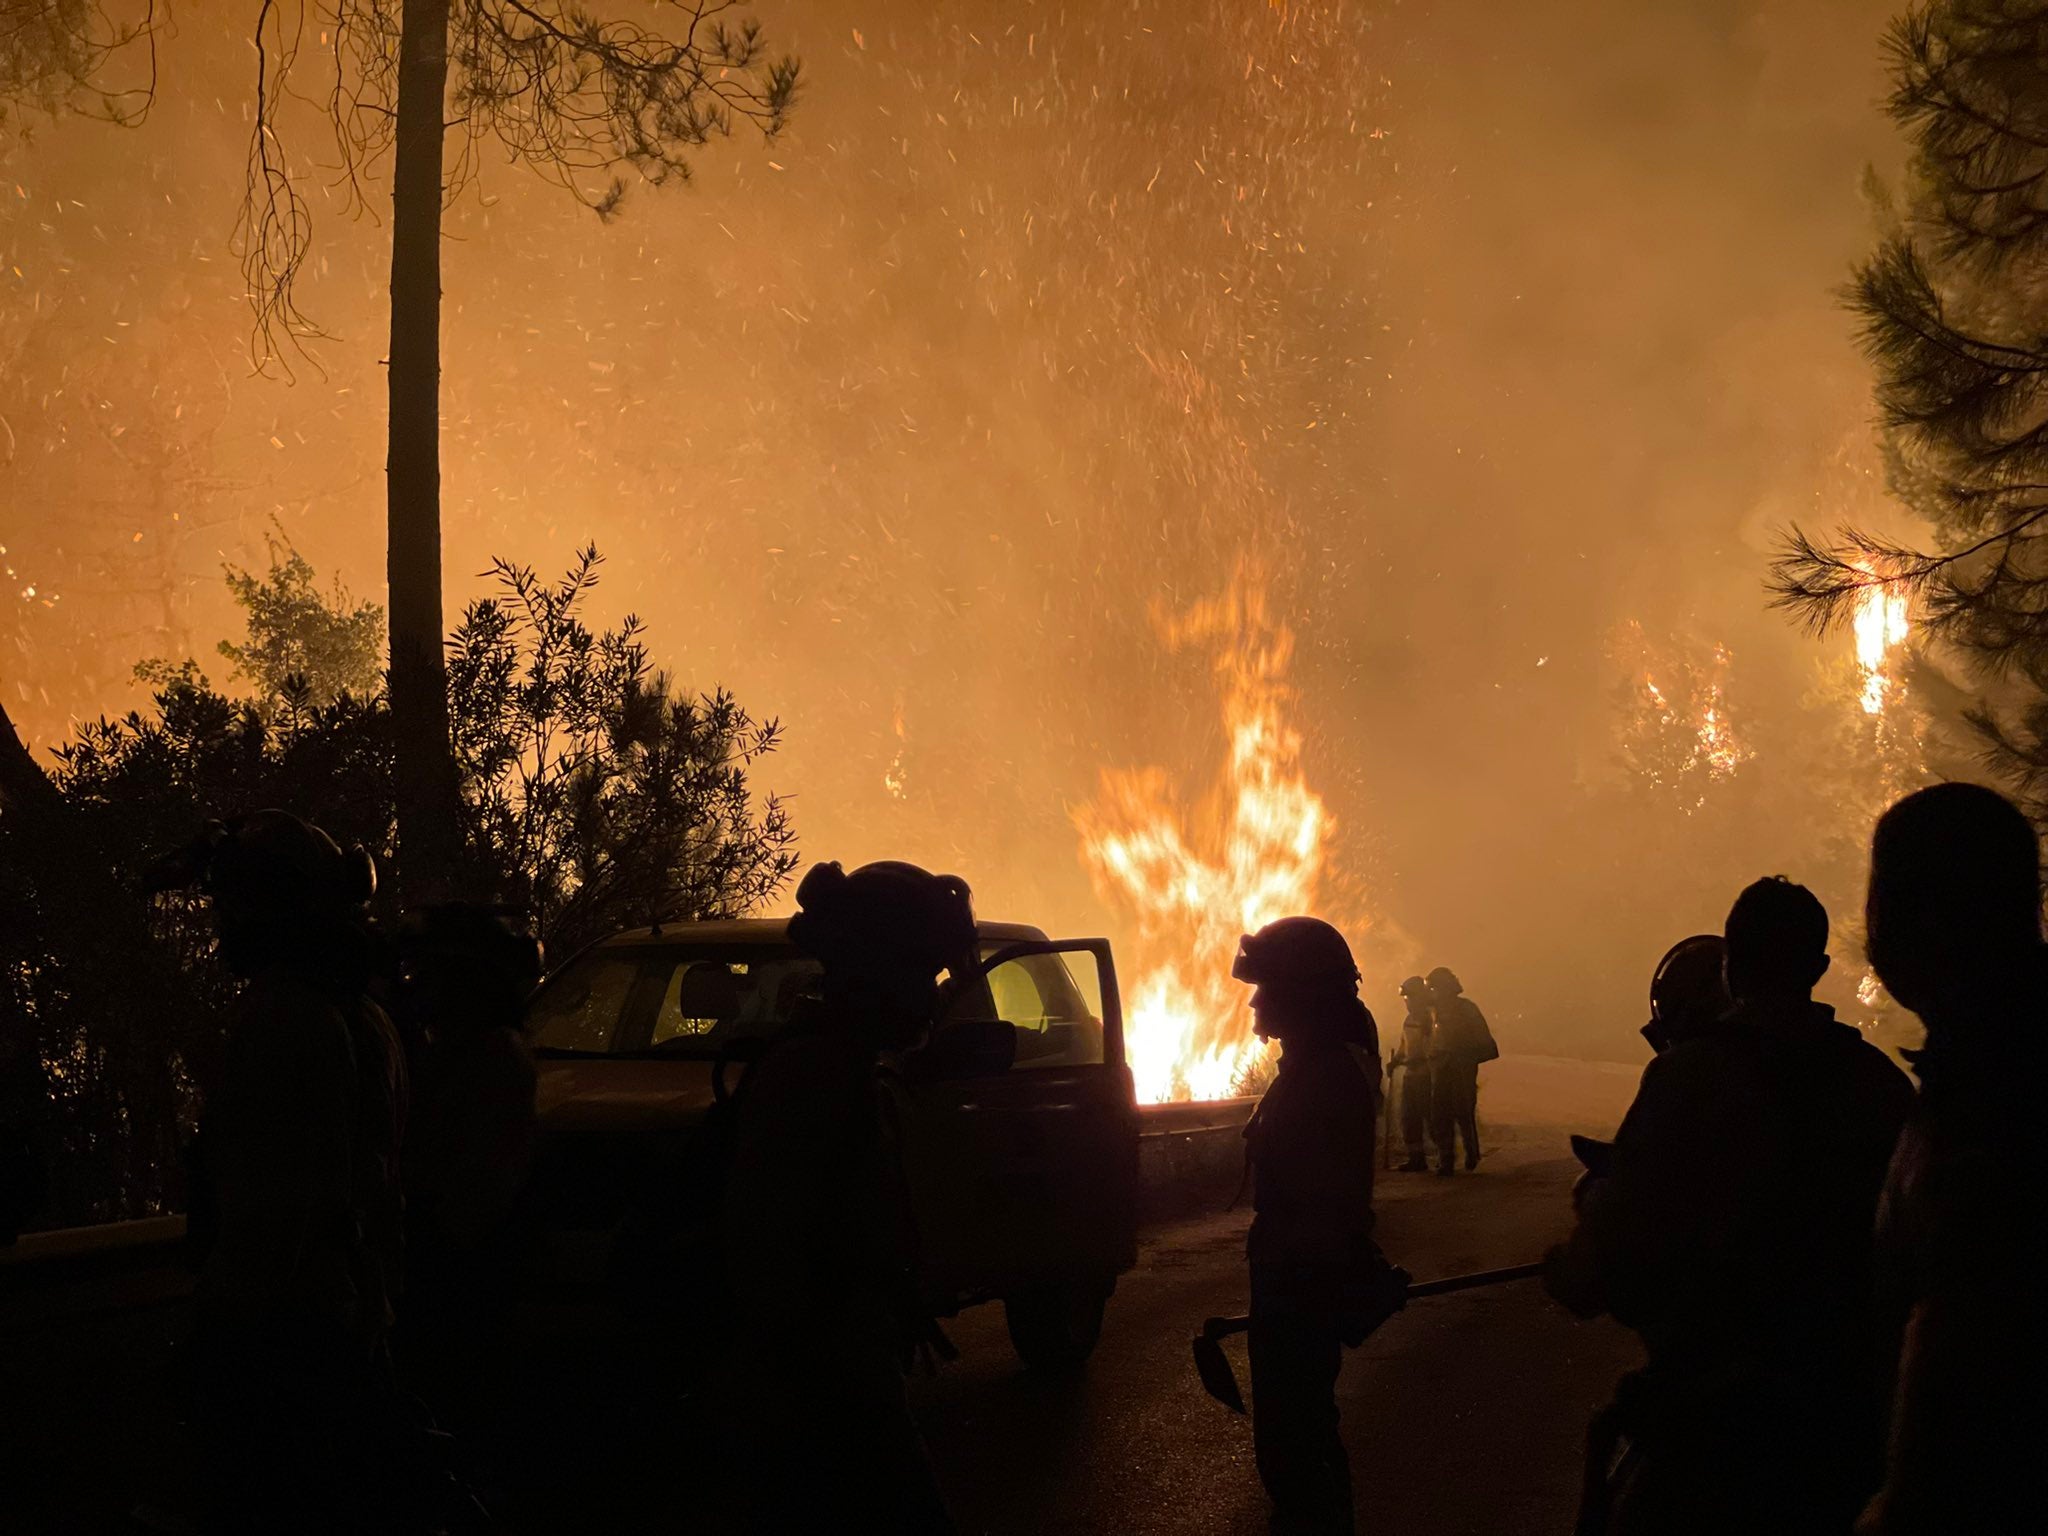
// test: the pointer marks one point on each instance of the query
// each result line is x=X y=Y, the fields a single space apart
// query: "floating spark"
x=1194 y=883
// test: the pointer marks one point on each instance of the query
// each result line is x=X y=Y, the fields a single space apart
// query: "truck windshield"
x=670 y=1000
x=677 y=999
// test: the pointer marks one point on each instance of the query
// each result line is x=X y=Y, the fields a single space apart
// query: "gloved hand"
x=1371 y=1294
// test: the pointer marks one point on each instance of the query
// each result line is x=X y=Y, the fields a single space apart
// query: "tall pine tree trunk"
x=423 y=763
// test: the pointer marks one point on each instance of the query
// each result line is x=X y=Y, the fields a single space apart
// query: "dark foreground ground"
x=1464 y=1414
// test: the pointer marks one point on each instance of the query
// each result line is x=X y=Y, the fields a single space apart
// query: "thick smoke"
x=1481 y=329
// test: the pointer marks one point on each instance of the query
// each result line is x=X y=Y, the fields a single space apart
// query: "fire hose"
x=1213 y=1366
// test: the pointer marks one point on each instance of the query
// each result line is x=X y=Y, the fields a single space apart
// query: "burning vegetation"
x=1193 y=877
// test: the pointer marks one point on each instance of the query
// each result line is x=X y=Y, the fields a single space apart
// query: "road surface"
x=1464 y=1414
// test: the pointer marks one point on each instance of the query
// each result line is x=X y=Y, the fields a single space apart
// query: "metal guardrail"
x=75 y=1271
x=67 y=1244
x=1190 y=1118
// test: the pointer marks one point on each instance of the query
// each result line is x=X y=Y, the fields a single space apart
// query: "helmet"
x=887 y=911
x=1414 y=986
x=1296 y=950
x=1689 y=987
x=1444 y=979
x=274 y=860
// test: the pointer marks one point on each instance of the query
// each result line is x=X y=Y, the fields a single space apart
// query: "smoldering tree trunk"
x=423 y=762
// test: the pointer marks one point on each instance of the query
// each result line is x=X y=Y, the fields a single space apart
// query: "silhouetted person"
x=1310 y=1145
x=1733 y=1234
x=1463 y=1042
x=819 y=1238
x=1954 y=932
x=469 y=1144
x=1688 y=998
x=298 y=1162
x=1418 y=1044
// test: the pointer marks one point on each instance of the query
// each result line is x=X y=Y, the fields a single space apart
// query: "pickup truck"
x=1022 y=1172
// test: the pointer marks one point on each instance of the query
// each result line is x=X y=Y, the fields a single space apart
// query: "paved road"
x=1464 y=1414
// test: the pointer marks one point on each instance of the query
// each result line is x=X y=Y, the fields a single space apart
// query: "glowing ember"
x=894 y=779
x=1880 y=625
x=1194 y=882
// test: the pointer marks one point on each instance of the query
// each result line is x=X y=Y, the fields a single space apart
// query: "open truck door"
x=1025 y=1182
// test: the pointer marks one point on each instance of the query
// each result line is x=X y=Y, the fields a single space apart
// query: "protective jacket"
x=1310 y=1143
x=299 y=1158
x=820 y=1245
x=1733 y=1233
x=1311 y=1148
x=1962 y=1247
x=1461 y=1033
x=1418 y=1038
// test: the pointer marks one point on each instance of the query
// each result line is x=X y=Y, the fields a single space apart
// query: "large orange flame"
x=1194 y=879
x=1880 y=626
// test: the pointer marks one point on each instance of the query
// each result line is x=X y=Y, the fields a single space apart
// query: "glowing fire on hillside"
x=1194 y=878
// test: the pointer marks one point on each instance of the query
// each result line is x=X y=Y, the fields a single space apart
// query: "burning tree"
x=1954 y=312
x=559 y=90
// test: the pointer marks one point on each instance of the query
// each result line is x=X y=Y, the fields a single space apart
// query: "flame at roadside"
x=1195 y=877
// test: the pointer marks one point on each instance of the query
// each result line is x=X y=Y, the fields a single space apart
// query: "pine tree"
x=566 y=93
x=1954 y=312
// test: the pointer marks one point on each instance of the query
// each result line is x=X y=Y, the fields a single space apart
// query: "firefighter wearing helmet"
x=1463 y=1042
x=1310 y=1150
x=1418 y=1046
x=817 y=1229
x=1689 y=992
x=296 y=1206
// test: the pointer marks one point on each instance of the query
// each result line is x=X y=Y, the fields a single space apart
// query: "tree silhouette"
x=563 y=92
x=1954 y=311
x=54 y=56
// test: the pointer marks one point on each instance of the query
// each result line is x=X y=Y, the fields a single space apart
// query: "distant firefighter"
x=1414 y=1060
x=1462 y=1043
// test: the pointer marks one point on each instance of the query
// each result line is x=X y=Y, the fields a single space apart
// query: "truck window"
x=712 y=998
x=1055 y=1026
x=579 y=1009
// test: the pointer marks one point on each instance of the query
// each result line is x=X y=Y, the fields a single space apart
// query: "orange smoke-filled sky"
x=1481 y=329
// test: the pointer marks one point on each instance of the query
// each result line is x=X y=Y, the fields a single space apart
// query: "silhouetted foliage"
x=1955 y=321
x=54 y=56
x=331 y=644
x=591 y=790
x=597 y=795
